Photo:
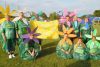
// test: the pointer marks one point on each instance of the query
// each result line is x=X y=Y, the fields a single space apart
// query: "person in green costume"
x=1 y=40
x=26 y=50
x=79 y=51
x=9 y=35
x=63 y=50
x=93 y=46
x=64 y=47
x=76 y=26
x=29 y=51
x=85 y=29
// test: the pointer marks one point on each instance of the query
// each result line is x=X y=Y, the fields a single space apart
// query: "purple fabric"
x=26 y=40
x=28 y=29
x=35 y=40
x=32 y=32
x=25 y=36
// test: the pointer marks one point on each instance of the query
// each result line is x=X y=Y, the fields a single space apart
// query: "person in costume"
x=79 y=51
x=76 y=25
x=21 y=24
x=1 y=40
x=93 y=46
x=85 y=29
x=68 y=23
x=65 y=45
x=9 y=35
x=30 y=48
x=4 y=11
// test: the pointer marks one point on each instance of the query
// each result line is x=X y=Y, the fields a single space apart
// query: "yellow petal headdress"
x=68 y=33
x=7 y=11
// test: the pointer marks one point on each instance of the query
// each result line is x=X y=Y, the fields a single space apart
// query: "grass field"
x=48 y=58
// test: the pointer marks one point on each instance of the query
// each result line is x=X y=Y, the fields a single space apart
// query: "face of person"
x=86 y=20
x=80 y=40
x=93 y=38
x=75 y=18
x=21 y=15
x=67 y=18
x=7 y=18
x=65 y=36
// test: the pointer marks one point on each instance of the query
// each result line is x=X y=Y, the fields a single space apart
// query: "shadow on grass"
x=80 y=64
x=48 y=49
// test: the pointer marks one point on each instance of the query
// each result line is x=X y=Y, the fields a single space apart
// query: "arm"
x=29 y=52
x=16 y=28
x=3 y=32
x=4 y=37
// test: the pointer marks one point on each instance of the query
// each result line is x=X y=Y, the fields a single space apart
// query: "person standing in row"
x=9 y=36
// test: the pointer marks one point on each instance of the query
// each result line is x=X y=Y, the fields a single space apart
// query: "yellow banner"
x=48 y=30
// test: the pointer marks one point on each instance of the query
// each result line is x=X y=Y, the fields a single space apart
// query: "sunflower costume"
x=65 y=45
x=8 y=28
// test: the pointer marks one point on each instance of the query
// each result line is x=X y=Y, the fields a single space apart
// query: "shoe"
x=10 y=56
x=13 y=55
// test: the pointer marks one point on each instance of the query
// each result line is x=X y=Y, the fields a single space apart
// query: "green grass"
x=48 y=58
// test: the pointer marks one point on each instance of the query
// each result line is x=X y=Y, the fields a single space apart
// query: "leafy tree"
x=97 y=13
x=53 y=16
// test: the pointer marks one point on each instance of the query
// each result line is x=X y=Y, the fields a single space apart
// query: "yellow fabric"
x=2 y=20
x=48 y=30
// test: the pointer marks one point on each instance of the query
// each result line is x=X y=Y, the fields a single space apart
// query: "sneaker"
x=13 y=55
x=10 y=56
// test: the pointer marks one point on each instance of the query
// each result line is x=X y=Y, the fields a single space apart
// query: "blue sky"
x=84 y=6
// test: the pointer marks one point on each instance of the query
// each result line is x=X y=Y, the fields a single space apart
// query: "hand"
x=92 y=54
x=17 y=36
x=5 y=39
x=66 y=52
x=33 y=54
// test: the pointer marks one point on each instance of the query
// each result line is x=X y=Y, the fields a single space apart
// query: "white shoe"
x=10 y=56
x=13 y=55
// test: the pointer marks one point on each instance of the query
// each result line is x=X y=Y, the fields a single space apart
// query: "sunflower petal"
x=70 y=30
x=72 y=35
x=64 y=29
x=61 y=33
x=7 y=11
x=2 y=9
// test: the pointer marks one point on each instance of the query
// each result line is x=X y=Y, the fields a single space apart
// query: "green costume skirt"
x=23 y=50
x=61 y=54
x=79 y=56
